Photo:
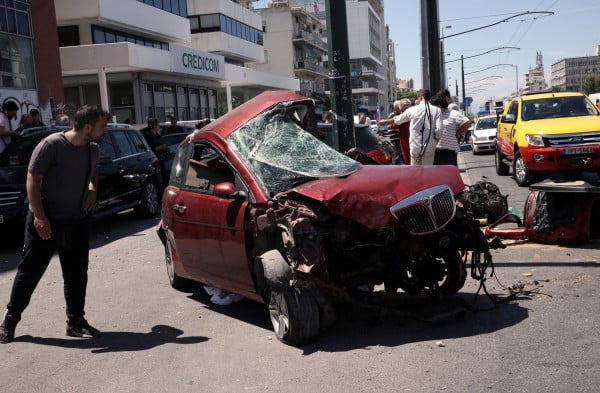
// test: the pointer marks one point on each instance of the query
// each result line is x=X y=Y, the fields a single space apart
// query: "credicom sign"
x=190 y=61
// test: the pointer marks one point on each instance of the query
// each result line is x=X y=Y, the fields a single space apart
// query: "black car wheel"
x=520 y=171
x=501 y=168
x=149 y=204
x=175 y=281
x=294 y=315
x=294 y=312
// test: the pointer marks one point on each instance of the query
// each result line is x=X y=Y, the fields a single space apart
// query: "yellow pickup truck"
x=548 y=134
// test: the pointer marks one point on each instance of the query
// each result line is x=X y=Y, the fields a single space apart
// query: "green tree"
x=410 y=94
x=591 y=84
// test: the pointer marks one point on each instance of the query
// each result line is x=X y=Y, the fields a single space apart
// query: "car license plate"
x=578 y=150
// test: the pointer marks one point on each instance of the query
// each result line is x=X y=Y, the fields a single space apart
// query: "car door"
x=507 y=128
x=111 y=184
x=208 y=230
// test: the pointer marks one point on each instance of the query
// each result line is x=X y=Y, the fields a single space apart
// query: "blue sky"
x=573 y=31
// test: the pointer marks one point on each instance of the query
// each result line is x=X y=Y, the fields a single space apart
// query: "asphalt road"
x=156 y=339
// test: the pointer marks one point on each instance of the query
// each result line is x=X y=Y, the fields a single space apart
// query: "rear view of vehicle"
x=549 y=134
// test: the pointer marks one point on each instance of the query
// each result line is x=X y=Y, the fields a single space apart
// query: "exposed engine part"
x=484 y=200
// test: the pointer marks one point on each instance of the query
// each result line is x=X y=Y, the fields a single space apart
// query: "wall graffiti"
x=48 y=114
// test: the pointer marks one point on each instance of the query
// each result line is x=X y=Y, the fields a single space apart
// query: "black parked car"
x=129 y=175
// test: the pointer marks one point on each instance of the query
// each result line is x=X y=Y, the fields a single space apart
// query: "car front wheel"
x=294 y=315
x=520 y=171
x=149 y=204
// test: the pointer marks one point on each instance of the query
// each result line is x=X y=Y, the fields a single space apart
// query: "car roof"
x=233 y=119
x=551 y=95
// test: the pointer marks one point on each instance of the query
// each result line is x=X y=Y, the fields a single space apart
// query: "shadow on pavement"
x=119 y=341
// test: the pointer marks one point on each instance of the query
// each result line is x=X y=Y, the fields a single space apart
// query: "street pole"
x=340 y=83
x=517 y=80
x=430 y=46
x=462 y=71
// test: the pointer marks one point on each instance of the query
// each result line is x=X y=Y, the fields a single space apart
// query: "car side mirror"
x=509 y=118
x=227 y=190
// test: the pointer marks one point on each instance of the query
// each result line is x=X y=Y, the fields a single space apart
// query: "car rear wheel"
x=520 y=171
x=175 y=281
x=501 y=168
x=148 y=206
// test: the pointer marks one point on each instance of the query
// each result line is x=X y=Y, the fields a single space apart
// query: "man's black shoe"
x=7 y=329
x=81 y=328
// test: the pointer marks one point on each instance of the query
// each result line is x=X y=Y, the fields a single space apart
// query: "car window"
x=485 y=123
x=107 y=149
x=207 y=168
x=124 y=146
x=178 y=170
x=138 y=141
x=19 y=151
x=513 y=109
x=282 y=154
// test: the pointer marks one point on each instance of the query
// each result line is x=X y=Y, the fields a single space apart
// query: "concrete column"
x=228 y=92
x=103 y=89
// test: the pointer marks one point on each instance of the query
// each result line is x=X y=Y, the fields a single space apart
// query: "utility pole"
x=430 y=46
x=340 y=83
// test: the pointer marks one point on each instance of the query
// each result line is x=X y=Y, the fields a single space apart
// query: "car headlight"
x=534 y=140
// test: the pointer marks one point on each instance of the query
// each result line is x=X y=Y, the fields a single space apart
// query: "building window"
x=103 y=35
x=218 y=22
x=177 y=7
x=14 y=17
x=68 y=36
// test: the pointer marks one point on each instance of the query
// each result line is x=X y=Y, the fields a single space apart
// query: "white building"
x=535 y=81
x=180 y=58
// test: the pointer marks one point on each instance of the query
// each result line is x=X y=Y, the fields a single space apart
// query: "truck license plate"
x=578 y=150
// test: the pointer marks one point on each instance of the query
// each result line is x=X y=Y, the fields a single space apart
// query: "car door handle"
x=179 y=209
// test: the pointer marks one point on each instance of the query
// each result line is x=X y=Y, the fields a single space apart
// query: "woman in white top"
x=455 y=124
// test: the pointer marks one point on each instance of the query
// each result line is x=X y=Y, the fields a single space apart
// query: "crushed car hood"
x=367 y=195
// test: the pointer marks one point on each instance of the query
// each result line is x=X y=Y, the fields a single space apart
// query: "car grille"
x=426 y=211
x=589 y=138
x=9 y=199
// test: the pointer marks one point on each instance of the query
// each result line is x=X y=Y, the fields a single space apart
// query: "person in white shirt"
x=425 y=128
x=455 y=124
x=9 y=112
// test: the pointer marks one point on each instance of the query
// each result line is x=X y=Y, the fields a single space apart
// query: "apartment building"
x=149 y=58
x=570 y=74
x=294 y=45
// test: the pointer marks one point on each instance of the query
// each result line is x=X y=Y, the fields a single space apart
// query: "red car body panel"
x=555 y=159
x=353 y=196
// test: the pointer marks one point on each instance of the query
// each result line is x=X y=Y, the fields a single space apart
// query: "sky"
x=572 y=31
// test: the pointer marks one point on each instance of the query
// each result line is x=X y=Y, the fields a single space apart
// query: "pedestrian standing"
x=62 y=183
x=9 y=112
x=425 y=128
x=401 y=131
x=455 y=125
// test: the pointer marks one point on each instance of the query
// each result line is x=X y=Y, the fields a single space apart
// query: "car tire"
x=294 y=314
x=149 y=203
x=520 y=171
x=501 y=167
x=176 y=281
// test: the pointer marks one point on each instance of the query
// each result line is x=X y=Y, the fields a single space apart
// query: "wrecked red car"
x=258 y=206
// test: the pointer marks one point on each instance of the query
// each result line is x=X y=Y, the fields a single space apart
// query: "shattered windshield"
x=281 y=154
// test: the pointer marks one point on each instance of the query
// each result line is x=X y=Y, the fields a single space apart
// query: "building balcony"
x=310 y=38
x=304 y=67
x=128 y=16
